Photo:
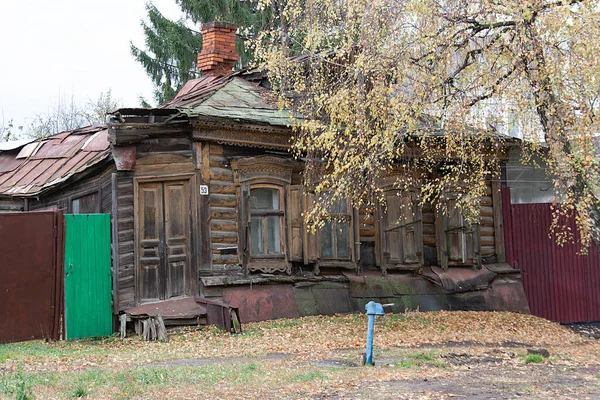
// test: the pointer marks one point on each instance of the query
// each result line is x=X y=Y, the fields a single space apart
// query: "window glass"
x=265 y=222
x=339 y=206
x=274 y=234
x=256 y=232
x=335 y=235
x=264 y=199
x=85 y=204
x=327 y=240
x=342 y=240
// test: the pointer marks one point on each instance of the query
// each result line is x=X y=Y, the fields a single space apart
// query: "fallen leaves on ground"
x=308 y=338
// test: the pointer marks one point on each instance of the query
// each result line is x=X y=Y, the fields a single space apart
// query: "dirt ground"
x=417 y=356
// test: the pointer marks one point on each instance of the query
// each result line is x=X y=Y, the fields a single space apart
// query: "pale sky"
x=67 y=48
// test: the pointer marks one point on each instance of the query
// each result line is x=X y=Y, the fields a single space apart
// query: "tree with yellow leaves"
x=428 y=87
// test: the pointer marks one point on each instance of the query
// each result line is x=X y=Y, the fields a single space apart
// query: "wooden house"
x=205 y=200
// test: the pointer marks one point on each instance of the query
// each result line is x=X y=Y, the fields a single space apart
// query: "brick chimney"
x=218 y=54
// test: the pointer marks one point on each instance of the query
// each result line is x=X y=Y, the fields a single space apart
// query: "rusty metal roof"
x=232 y=97
x=195 y=91
x=54 y=160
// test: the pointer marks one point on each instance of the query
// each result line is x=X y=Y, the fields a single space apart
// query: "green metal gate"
x=87 y=276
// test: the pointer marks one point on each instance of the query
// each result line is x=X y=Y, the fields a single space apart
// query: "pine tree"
x=172 y=48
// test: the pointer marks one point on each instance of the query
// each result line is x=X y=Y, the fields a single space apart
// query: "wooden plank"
x=115 y=244
x=205 y=259
x=295 y=223
x=486 y=221
x=429 y=240
x=487 y=211
x=223 y=200
x=223 y=225
x=198 y=155
x=223 y=213
x=498 y=223
x=222 y=187
x=221 y=174
x=486 y=201
x=216 y=149
x=218 y=161
x=206 y=177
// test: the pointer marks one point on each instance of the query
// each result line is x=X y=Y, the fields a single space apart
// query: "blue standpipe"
x=373 y=309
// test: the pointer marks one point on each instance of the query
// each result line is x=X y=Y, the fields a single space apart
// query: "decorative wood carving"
x=263 y=169
x=248 y=135
x=269 y=267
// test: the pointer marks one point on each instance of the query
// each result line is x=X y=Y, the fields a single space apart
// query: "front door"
x=163 y=226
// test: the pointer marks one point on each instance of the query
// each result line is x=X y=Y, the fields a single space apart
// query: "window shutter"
x=243 y=225
x=441 y=223
x=392 y=245
x=458 y=243
x=403 y=232
x=295 y=223
x=310 y=245
x=411 y=232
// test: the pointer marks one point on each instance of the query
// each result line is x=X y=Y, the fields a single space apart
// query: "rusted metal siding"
x=31 y=287
x=560 y=284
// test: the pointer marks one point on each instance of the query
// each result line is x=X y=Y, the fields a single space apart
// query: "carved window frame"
x=261 y=172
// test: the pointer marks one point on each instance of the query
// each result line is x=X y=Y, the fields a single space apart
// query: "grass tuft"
x=310 y=376
x=534 y=358
x=17 y=385
x=78 y=393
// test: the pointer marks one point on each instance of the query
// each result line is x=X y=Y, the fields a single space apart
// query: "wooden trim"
x=161 y=178
x=498 y=223
x=115 y=241
x=205 y=240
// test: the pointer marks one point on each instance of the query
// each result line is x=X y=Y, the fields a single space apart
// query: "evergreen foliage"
x=172 y=48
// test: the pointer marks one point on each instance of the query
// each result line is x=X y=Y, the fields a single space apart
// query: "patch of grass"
x=407 y=364
x=41 y=349
x=251 y=330
x=17 y=385
x=78 y=393
x=310 y=376
x=534 y=358
x=598 y=376
x=425 y=356
x=282 y=323
x=417 y=360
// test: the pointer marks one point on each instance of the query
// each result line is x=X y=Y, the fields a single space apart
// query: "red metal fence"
x=560 y=284
x=31 y=275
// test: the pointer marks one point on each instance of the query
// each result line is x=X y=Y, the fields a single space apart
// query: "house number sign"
x=203 y=190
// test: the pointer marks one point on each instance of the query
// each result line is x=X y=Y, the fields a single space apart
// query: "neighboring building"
x=206 y=200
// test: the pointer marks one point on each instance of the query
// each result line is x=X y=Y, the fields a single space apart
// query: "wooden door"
x=163 y=240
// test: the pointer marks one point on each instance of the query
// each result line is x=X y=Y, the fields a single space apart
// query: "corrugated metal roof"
x=58 y=158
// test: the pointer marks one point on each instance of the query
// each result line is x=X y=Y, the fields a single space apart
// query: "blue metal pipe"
x=373 y=309
x=370 y=329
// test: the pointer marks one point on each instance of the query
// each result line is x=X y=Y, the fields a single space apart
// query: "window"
x=333 y=246
x=401 y=231
x=88 y=204
x=457 y=242
x=334 y=237
x=266 y=222
x=263 y=183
